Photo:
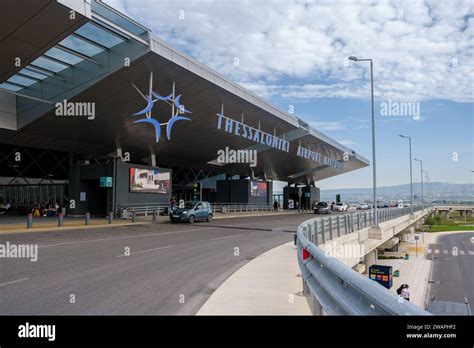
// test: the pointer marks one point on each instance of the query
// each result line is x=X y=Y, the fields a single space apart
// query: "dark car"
x=192 y=211
x=322 y=208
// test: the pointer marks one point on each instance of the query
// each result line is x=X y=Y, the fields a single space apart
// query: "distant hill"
x=439 y=190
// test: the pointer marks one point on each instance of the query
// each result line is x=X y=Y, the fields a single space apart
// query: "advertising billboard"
x=149 y=181
x=258 y=188
x=382 y=275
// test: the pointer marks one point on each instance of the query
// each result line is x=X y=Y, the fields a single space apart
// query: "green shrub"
x=430 y=221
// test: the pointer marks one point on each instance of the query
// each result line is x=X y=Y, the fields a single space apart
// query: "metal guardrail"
x=321 y=229
x=334 y=287
x=125 y=210
x=239 y=208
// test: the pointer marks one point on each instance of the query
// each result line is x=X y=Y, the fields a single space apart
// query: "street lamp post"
x=427 y=185
x=421 y=176
x=374 y=167
x=411 y=175
x=472 y=171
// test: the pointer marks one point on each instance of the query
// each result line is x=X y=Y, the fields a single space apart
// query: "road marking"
x=279 y=228
x=470 y=252
x=437 y=251
x=14 y=281
x=462 y=252
x=124 y=237
x=235 y=235
x=445 y=252
x=145 y=251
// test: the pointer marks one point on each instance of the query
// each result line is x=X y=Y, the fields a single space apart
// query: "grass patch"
x=455 y=222
x=442 y=228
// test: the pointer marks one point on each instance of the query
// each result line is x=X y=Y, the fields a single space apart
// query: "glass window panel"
x=64 y=56
x=9 y=87
x=33 y=74
x=81 y=46
x=119 y=20
x=48 y=64
x=98 y=35
x=21 y=80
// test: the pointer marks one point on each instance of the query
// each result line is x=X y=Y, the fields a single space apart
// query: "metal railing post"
x=323 y=231
x=330 y=228
x=60 y=220
x=316 y=231
x=338 y=227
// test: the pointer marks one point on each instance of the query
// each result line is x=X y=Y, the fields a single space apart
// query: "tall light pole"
x=374 y=167
x=472 y=171
x=421 y=177
x=411 y=175
x=427 y=185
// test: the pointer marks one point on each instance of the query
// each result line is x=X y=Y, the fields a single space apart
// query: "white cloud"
x=298 y=49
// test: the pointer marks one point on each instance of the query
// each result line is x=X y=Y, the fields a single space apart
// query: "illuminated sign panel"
x=381 y=274
x=149 y=181
x=258 y=188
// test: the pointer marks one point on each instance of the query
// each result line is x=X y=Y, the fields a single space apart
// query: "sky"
x=295 y=55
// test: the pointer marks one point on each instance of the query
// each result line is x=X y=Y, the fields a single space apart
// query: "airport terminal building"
x=96 y=110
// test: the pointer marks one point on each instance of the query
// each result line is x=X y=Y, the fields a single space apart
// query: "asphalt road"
x=171 y=269
x=453 y=268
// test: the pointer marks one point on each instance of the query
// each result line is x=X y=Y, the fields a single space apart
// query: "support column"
x=370 y=259
x=152 y=160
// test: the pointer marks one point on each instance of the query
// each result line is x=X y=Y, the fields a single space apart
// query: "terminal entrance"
x=300 y=197
x=192 y=193
x=23 y=197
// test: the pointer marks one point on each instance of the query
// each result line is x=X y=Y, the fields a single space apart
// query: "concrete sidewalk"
x=45 y=224
x=416 y=271
x=268 y=285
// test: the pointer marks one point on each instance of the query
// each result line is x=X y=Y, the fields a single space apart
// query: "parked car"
x=322 y=208
x=192 y=211
x=363 y=206
x=351 y=207
x=341 y=207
